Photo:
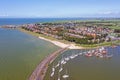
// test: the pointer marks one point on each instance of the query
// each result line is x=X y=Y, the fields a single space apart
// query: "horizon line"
x=61 y=17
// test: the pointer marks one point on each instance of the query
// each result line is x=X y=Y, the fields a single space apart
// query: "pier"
x=39 y=72
x=9 y=26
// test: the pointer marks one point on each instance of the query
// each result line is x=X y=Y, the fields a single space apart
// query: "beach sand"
x=62 y=45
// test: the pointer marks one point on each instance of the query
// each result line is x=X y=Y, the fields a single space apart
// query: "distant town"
x=90 y=36
x=80 y=32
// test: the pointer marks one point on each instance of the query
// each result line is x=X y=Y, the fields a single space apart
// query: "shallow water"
x=20 y=53
x=92 y=68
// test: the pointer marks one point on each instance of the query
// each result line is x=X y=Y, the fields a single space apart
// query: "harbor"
x=39 y=72
x=75 y=65
x=75 y=50
x=59 y=40
x=59 y=71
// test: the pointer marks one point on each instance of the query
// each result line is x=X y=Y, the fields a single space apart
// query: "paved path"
x=39 y=72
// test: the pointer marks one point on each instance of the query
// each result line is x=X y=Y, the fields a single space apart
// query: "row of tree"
x=87 y=40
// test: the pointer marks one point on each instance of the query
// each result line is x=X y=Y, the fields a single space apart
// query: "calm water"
x=20 y=53
x=18 y=21
x=83 y=68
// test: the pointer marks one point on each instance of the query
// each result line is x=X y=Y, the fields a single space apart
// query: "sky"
x=59 y=8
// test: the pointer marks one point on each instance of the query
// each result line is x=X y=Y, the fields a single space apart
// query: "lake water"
x=19 y=21
x=20 y=53
x=84 y=68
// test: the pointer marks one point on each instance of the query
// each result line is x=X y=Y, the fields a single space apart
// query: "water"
x=19 y=21
x=92 y=68
x=20 y=53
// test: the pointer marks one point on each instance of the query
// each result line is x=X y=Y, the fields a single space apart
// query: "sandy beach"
x=40 y=71
x=62 y=45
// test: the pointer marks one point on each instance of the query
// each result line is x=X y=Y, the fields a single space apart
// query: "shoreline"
x=63 y=44
x=60 y=44
x=40 y=71
x=54 y=41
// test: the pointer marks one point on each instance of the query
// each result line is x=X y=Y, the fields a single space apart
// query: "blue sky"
x=59 y=8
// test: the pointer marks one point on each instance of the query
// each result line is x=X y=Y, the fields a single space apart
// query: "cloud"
x=109 y=12
x=3 y=15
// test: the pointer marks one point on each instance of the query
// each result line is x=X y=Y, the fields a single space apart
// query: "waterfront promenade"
x=39 y=72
